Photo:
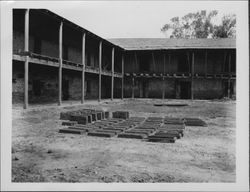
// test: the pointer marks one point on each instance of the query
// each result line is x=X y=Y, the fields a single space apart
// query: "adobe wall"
x=149 y=88
x=48 y=78
x=208 y=88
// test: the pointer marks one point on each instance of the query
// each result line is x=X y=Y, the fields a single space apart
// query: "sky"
x=137 y=19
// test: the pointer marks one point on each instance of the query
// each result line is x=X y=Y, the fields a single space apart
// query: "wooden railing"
x=68 y=64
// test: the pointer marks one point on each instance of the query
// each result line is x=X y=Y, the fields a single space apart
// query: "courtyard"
x=204 y=154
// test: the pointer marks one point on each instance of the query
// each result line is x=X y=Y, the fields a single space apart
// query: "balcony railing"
x=54 y=61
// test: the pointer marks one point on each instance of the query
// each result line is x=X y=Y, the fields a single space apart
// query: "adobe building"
x=55 y=60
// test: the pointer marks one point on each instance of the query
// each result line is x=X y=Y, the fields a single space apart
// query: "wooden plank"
x=100 y=72
x=112 y=73
x=60 y=64
x=122 y=75
x=83 y=66
x=26 y=67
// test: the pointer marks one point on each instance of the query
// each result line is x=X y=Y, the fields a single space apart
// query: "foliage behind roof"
x=166 y=43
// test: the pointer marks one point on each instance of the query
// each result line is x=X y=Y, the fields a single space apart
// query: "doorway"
x=183 y=90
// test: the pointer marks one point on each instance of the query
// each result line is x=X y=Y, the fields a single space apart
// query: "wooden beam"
x=112 y=73
x=192 y=77
x=60 y=64
x=100 y=72
x=122 y=75
x=83 y=65
x=26 y=64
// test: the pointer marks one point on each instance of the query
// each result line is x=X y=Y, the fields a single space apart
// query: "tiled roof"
x=165 y=43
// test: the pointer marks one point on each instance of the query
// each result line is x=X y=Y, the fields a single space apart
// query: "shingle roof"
x=165 y=43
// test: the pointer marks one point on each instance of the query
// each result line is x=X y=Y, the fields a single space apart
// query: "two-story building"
x=55 y=60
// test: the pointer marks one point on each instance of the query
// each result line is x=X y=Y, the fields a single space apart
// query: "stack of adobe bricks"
x=153 y=129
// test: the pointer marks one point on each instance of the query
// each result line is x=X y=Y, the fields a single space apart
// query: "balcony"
x=54 y=62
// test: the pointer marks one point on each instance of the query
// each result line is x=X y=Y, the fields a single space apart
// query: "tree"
x=200 y=25
x=227 y=28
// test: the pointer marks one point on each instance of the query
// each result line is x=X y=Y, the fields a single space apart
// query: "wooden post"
x=122 y=75
x=112 y=73
x=60 y=64
x=206 y=64
x=26 y=64
x=100 y=72
x=192 y=77
x=83 y=65
x=133 y=84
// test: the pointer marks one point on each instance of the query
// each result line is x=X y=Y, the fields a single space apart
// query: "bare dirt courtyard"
x=204 y=154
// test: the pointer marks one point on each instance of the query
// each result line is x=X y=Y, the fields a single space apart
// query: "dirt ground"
x=204 y=154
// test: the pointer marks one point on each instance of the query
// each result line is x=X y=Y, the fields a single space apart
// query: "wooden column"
x=206 y=63
x=60 y=64
x=100 y=72
x=112 y=73
x=192 y=77
x=83 y=65
x=229 y=72
x=122 y=75
x=26 y=64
